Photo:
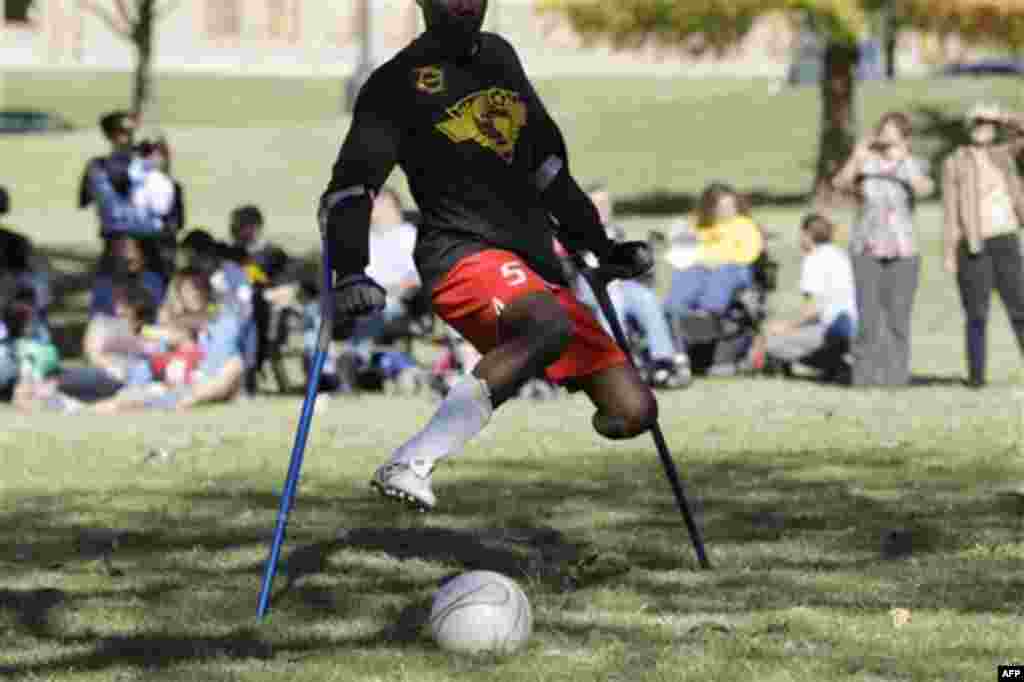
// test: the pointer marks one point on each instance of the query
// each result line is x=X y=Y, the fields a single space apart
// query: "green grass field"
x=823 y=508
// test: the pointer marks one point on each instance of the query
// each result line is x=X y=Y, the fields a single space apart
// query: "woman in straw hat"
x=984 y=208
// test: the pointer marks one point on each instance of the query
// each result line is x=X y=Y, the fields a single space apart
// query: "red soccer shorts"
x=472 y=295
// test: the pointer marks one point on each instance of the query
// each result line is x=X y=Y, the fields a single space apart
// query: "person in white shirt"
x=392 y=241
x=820 y=335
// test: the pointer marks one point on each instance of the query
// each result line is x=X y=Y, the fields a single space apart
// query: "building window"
x=283 y=20
x=223 y=19
x=17 y=11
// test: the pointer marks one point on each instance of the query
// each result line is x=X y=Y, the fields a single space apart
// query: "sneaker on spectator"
x=671 y=373
x=723 y=369
x=64 y=404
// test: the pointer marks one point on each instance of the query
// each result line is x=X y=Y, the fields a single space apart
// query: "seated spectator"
x=272 y=274
x=712 y=255
x=265 y=263
x=230 y=286
x=27 y=354
x=128 y=260
x=18 y=258
x=820 y=336
x=636 y=300
x=117 y=347
x=187 y=307
x=209 y=369
x=392 y=241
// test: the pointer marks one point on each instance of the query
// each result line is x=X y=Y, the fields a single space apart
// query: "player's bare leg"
x=534 y=331
x=626 y=406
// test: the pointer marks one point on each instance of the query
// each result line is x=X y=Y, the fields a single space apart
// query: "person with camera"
x=983 y=196
x=887 y=181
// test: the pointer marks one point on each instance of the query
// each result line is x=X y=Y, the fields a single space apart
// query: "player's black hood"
x=456 y=24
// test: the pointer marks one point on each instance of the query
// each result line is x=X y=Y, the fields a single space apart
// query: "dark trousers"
x=998 y=267
x=885 y=299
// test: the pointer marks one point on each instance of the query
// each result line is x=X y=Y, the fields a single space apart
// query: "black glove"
x=626 y=260
x=358 y=295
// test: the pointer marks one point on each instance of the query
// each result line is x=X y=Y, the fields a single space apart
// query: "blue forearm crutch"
x=301 y=435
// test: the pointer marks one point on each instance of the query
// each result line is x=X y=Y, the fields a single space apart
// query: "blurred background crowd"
x=180 y=318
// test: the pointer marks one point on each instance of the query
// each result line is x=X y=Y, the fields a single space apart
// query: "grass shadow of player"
x=535 y=554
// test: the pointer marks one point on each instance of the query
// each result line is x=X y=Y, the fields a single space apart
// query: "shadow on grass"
x=774 y=532
x=916 y=381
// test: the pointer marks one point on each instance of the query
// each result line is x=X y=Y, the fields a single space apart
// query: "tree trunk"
x=142 y=37
x=837 y=135
x=890 y=54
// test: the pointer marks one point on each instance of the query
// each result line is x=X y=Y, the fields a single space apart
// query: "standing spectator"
x=984 y=204
x=886 y=265
x=636 y=299
x=118 y=128
x=821 y=335
x=133 y=196
x=158 y=153
x=713 y=255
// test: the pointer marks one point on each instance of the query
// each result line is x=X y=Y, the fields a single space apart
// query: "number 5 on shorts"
x=513 y=273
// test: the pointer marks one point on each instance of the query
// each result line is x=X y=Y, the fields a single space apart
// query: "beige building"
x=322 y=37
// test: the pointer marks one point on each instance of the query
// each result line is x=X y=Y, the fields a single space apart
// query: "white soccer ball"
x=481 y=611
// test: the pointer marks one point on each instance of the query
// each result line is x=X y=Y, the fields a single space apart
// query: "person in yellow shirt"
x=712 y=254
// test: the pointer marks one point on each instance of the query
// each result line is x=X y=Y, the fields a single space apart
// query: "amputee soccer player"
x=489 y=170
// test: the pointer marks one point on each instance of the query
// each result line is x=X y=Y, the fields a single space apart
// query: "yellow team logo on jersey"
x=491 y=118
x=429 y=79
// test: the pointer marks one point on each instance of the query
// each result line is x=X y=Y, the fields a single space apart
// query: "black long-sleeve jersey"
x=486 y=163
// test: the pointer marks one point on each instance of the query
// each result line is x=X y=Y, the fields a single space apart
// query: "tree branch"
x=112 y=21
x=129 y=17
x=167 y=8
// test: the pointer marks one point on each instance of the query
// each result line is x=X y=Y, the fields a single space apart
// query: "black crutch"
x=598 y=282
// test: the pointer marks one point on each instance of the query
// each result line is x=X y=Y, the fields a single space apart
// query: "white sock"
x=463 y=414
